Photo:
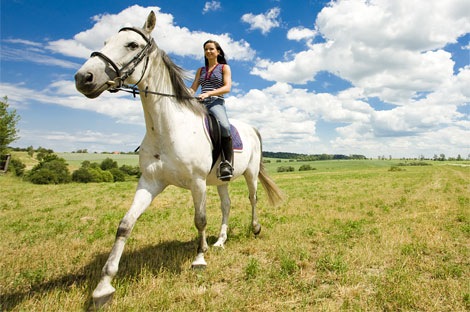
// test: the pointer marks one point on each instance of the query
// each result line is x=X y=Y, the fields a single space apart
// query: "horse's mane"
x=181 y=91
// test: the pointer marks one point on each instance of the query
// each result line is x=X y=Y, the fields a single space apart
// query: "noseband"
x=126 y=70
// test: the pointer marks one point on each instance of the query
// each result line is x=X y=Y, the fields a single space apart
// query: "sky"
x=369 y=77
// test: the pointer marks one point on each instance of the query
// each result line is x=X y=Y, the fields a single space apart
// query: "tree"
x=8 y=122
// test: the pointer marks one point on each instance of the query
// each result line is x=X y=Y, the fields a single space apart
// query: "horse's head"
x=123 y=59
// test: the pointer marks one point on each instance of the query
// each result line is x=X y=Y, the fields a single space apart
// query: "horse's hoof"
x=103 y=295
x=98 y=302
x=220 y=243
x=257 y=229
x=199 y=262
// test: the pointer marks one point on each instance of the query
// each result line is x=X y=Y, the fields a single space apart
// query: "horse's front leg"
x=199 y=198
x=143 y=197
x=225 y=207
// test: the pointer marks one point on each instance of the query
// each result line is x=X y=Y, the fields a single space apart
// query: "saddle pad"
x=237 y=142
x=236 y=139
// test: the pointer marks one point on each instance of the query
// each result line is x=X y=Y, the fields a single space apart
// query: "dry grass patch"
x=358 y=238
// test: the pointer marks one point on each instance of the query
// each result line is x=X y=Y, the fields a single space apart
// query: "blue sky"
x=370 y=77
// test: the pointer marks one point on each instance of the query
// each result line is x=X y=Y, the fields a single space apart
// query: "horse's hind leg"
x=252 y=183
x=142 y=199
x=225 y=207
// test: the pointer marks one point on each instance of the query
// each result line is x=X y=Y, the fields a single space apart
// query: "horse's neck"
x=163 y=117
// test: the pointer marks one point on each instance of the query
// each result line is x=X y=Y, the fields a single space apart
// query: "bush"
x=90 y=174
x=131 y=170
x=82 y=175
x=51 y=170
x=396 y=168
x=44 y=176
x=306 y=168
x=16 y=167
x=118 y=175
x=285 y=169
x=108 y=164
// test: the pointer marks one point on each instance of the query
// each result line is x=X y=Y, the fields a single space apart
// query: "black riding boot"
x=226 y=169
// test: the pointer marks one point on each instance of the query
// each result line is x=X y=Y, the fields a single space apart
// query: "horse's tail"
x=275 y=195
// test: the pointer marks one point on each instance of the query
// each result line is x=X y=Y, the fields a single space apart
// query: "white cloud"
x=379 y=47
x=34 y=53
x=287 y=118
x=167 y=35
x=264 y=22
x=23 y=42
x=211 y=6
x=63 y=93
x=301 y=33
x=93 y=141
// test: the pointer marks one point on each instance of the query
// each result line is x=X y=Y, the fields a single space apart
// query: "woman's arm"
x=195 y=84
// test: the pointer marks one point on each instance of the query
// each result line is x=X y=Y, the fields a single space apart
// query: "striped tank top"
x=213 y=79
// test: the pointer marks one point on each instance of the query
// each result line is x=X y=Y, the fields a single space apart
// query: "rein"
x=134 y=91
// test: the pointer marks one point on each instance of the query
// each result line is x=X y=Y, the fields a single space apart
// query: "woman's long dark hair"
x=220 y=58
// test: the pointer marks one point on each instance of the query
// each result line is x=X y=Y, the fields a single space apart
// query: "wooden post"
x=4 y=162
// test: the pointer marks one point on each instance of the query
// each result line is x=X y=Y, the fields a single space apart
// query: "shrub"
x=44 y=176
x=306 y=168
x=130 y=170
x=82 y=175
x=51 y=170
x=285 y=169
x=99 y=175
x=16 y=167
x=108 y=164
x=118 y=175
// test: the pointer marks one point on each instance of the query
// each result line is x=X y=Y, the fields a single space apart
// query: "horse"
x=176 y=149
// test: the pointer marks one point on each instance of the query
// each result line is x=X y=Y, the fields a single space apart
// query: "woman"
x=215 y=80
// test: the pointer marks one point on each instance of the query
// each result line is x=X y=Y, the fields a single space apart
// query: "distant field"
x=75 y=159
x=351 y=236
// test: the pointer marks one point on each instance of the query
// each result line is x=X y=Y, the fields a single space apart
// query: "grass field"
x=351 y=236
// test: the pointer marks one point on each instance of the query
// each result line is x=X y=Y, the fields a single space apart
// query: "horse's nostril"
x=89 y=77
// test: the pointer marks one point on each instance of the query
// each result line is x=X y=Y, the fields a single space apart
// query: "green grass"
x=351 y=236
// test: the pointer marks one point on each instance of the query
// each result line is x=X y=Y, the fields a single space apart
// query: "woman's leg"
x=218 y=110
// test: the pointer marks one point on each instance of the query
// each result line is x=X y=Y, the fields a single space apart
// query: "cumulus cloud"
x=264 y=22
x=301 y=33
x=167 y=35
x=211 y=6
x=63 y=93
x=376 y=45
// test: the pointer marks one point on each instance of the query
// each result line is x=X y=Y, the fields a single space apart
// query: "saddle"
x=213 y=130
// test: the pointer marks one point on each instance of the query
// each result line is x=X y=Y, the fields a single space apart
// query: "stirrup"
x=225 y=172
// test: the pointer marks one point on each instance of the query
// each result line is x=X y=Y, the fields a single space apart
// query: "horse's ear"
x=150 y=23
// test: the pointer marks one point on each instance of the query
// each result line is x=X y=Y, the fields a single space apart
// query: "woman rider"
x=216 y=80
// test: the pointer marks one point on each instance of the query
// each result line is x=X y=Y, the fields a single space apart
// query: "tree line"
x=311 y=157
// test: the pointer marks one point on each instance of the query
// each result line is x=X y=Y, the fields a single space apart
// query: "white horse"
x=176 y=149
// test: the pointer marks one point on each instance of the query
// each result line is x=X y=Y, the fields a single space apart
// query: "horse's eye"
x=132 y=45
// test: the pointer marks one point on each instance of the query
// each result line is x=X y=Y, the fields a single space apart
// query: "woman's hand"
x=203 y=96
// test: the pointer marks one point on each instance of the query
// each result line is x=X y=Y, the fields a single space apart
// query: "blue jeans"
x=217 y=108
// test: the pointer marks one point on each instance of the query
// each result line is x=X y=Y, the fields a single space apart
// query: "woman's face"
x=210 y=51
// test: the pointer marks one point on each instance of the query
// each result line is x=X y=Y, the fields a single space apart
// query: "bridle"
x=127 y=69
